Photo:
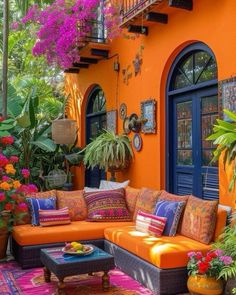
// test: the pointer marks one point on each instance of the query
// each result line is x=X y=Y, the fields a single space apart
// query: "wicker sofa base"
x=159 y=281
x=29 y=256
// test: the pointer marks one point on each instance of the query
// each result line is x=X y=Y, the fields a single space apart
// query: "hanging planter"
x=56 y=178
x=64 y=131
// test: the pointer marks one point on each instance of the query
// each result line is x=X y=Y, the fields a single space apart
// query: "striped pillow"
x=107 y=205
x=54 y=217
x=150 y=224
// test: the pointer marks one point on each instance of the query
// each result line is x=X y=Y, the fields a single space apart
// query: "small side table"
x=64 y=265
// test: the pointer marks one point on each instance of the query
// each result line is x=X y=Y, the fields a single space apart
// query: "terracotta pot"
x=3 y=244
x=202 y=285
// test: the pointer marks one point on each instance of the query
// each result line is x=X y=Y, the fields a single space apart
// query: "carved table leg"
x=61 y=287
x=105 y=281
x=47 y=275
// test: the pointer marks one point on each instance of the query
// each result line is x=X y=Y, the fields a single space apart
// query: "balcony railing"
x=131 y=7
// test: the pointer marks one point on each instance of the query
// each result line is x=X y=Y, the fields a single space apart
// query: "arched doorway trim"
x=95 y=121
x=192 y=55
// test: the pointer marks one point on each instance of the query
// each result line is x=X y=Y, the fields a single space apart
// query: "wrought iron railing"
x=131 y=7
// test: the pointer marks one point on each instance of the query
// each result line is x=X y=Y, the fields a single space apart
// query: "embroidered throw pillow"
x=172 y=211
x=107 y=206
x=25 y=218
x=105 y=184
x=36 y=204
x=199 y=219
x=150 y=224
x=146 y=201
x=54 y=217
x=75 y=202
x=131 y=195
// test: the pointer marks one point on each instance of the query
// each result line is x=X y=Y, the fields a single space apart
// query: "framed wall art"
x=148 y=112
x=112 y=120
x=227 y=96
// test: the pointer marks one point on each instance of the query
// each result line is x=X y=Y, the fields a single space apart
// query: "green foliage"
x=108 y=150
x=227 y=243
x=224 y=137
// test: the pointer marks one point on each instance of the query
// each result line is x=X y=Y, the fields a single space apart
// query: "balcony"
x=95 y=46
x=137 y=14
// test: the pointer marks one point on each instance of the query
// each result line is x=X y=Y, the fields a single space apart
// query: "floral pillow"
x=199 y=219
x=36 y=204
x=146 y=201
x=75 y=202
x=107 y=206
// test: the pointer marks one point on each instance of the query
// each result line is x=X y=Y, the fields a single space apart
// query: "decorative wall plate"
x=123 y=111
x=137 y=142
x=126 y=125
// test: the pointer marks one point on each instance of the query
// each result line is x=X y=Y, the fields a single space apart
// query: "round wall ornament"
x=126 y=125
x=137 y=142
x=123 y=111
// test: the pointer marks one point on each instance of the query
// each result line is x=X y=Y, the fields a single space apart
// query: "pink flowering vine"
x=65 y=25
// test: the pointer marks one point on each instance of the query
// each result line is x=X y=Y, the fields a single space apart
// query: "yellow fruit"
x=79 y=247
x=73 y=244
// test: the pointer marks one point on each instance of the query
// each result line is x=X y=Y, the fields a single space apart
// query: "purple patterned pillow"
x=107 y=205
x=172 y=211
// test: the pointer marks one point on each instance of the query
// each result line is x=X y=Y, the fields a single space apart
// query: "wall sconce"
x=135 y=123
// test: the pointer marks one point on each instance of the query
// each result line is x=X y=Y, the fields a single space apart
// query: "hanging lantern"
x=64 y=131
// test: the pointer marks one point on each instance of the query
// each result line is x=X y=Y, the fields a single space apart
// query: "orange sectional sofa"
x=159 y=263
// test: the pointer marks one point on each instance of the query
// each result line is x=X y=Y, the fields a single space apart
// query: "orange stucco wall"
x=211 y=22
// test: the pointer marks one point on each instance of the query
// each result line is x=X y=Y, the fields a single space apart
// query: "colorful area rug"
x=15 y=281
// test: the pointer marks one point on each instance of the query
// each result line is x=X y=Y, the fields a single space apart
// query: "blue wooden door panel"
x=191 y=120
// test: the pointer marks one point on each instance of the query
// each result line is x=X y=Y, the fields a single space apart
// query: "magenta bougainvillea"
x=64 y=25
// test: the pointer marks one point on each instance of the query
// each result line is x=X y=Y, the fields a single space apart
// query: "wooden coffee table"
x=64 y=265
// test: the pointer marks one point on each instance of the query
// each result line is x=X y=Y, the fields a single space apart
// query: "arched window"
x=97 y=102
x=197 y=67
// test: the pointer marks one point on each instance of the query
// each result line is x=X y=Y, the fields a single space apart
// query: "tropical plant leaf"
x=45 y=144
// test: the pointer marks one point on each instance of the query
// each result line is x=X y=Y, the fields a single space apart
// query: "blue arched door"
x=95 y=123
x=192 y=111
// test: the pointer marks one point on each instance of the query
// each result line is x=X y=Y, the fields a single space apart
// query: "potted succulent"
x=109 y=151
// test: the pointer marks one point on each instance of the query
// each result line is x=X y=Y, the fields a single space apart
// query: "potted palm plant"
x=109 y=151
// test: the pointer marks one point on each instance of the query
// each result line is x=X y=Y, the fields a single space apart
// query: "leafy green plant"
x=227 y=244
x=224 y=137
x=108 y=151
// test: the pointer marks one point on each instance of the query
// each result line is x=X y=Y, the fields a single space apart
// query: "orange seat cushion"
x=163 y=252
x=78 y=230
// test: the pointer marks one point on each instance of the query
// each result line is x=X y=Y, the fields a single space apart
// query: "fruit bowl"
x=87 y=249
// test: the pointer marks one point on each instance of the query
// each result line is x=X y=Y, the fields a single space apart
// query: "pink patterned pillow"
x=150 y=224
x=107 y=205
x=54 y=217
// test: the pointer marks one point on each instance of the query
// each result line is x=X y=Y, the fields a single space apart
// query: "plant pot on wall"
x=64 y=131
x=4 y=233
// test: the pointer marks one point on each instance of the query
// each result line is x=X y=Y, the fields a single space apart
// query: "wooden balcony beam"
x=80 y=65
x=157 y=17
x=138 y=29
x=100 y=52
x=89 y=60
x=72 y=70
x=183 y=4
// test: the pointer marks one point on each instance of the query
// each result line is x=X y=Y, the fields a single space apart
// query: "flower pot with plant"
x=109 y=151
x=204 y=272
